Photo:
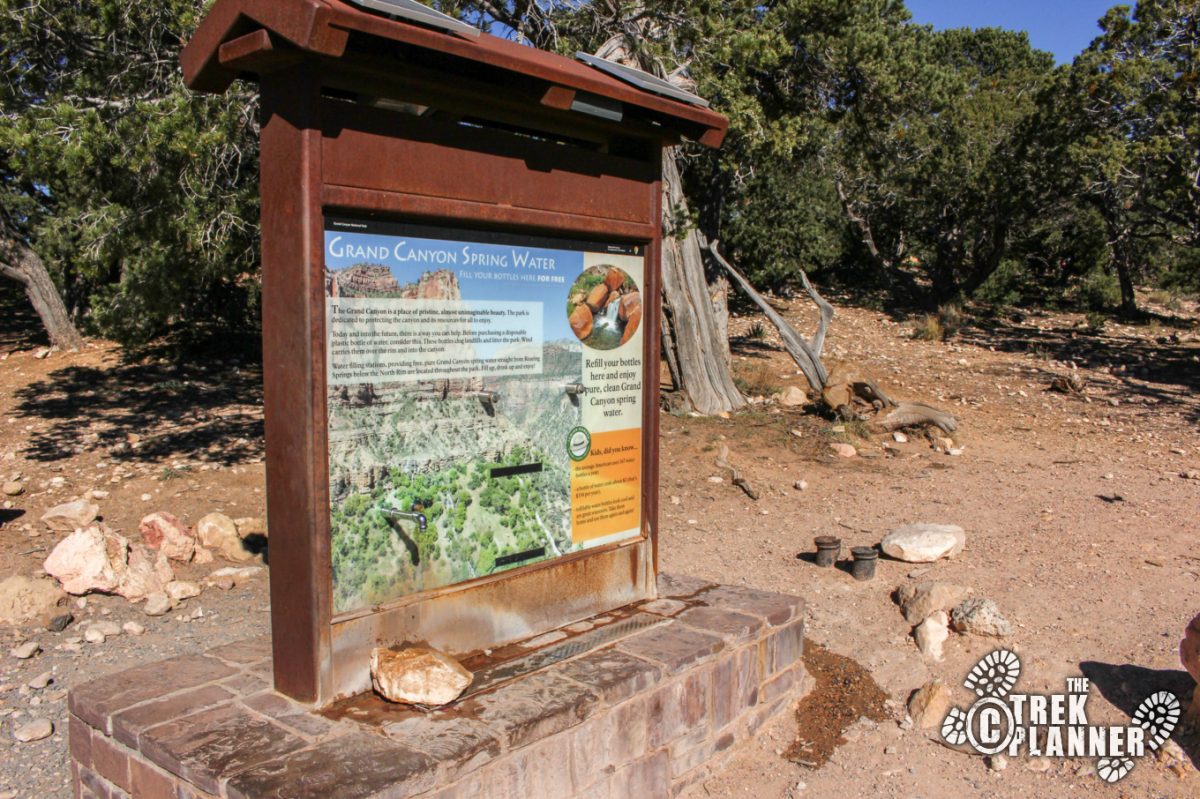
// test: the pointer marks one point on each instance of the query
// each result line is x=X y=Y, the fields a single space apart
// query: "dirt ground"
x=1079 y=525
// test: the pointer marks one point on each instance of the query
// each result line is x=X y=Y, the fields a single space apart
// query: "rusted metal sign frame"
x=526 y=161
x=323 y=156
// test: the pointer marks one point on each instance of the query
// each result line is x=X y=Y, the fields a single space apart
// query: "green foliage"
x=138 y=194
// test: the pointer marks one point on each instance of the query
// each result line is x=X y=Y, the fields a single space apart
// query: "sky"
x=1063 y=27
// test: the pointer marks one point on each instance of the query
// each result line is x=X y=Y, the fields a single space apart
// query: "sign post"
x=461 y=300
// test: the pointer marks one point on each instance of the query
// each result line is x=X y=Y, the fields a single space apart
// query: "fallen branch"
x=806 y=354
x=735 y=476
x=917 y=414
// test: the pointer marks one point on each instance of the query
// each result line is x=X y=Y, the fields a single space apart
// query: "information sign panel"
x=484 y=403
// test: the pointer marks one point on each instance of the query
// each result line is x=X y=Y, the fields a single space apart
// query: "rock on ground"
x=980 y=617
x=919 y=600
x=26 y=650
x=157 y=604
x=91 y=559
x=71 y=515
x=23 y=598
x=164 y=532
x=932 y=633
x=924 y=542
x=34 y=730
x=251 y=525
x=219 y=532
x=843 y=450
x=929 y=704
x=418 y=675
x=147 y=571
x=12 y=488
x=179 y=590
x=792 y=397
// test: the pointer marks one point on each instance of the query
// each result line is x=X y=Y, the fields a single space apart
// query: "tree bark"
x=20 y=263
x=699 y=354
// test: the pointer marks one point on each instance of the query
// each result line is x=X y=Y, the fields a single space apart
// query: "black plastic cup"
x=865 y=559
x=828 y=548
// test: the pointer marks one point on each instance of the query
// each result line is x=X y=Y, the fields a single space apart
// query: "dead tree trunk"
x=695 y=329
x=22 y=264
x=697 y=350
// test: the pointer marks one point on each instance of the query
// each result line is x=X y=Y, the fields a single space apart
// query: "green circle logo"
x=579 y=443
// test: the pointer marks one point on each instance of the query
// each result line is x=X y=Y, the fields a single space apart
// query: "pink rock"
x=164 y=532
x=90 y=559
x=148 y=571
x=1189 y=649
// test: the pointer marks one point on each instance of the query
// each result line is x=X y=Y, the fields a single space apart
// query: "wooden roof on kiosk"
x=241 y=38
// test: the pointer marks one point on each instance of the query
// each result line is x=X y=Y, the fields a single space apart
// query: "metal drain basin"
x=581 y=644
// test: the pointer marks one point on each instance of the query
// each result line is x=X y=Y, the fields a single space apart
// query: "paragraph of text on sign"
x=379 y=340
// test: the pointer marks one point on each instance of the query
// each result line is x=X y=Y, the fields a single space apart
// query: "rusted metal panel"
x=498 y=610
x=371 y=149
x=323 y=27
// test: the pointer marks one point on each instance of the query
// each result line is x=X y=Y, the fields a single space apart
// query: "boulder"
x=147 y=571
x=581 y=321
x=13 y=488
x=164 y=532
x=932 y=633
x=218 y=531
x=929 y=704
x=597 y=298
x=71 y=515
x=629 y=303
x=23 y=598
x=792 y=397
x=91 y=559
x=631 y=325
x=251 y=525
x=614 y=278
x=919 y=600
x=844 y=451
x=980 y=617
x=924 y=543
x=418 y=675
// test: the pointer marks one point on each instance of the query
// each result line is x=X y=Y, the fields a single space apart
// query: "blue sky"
x=1064 y=27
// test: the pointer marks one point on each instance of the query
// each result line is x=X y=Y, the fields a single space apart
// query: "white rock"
x=899 y=437
x=234 y=573
x=932 y=633
x=71 y=515
x=792 y=397
x=418 y=675
x=218 y=531
x=157 y=604
x=843 y=450
x=924 y=543
x=147 y=571
x=34 y=730
x=13 y=488
x=97 y=493
x=26 y=650
x=91 y=559
x=109 y=628
x=93 y=635
x=133 y=628
x=180 y=590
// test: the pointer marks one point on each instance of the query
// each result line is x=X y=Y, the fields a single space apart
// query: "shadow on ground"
x=147 y=411
x=1126 y=686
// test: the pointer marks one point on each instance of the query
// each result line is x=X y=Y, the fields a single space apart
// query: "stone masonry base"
x=645 y=716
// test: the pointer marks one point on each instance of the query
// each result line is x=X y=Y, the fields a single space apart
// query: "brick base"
x=646 y=716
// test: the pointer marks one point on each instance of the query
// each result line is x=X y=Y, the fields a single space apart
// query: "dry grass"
x=757 y=380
